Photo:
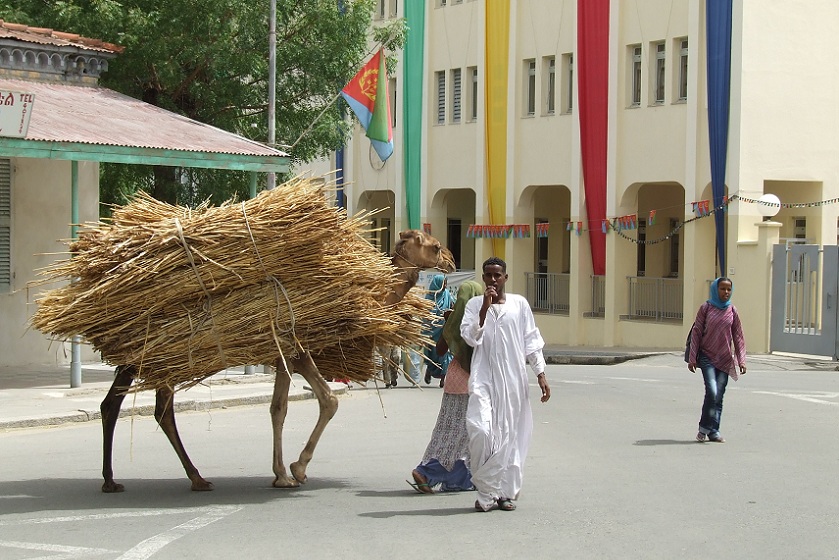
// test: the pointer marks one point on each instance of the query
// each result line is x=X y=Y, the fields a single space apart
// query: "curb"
x=195 y=405
x=595 y=360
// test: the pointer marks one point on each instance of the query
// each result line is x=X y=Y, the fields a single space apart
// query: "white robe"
x=498 y=417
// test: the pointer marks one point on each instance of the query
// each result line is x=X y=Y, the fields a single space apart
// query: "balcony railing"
x=548 y=292
x=658 y=299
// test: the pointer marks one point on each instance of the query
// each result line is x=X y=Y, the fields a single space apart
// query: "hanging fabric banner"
x=496 y=83
x=413 y=68
x=718 y=40
x=593 y=89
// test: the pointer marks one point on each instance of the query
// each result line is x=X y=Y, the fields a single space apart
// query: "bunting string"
x=620 y=224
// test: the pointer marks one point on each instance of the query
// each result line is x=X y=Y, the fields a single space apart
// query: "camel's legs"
x=279 y=409
x=328 y=402
x=164 y=413
x=109 y=409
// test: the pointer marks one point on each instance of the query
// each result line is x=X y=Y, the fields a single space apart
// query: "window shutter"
x=441 y=97
x=5 y=224
x=456 y=89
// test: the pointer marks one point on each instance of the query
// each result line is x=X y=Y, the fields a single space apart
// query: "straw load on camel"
x=173 y=295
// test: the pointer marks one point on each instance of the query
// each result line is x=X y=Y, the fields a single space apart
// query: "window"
x=381 y=9
x=799 y=227
x=635 y=65
x=441 y=3
x=394 y=8
x=549 y=65
x=456 y=95
x=567 y=82
x=674 y=248
x=473 y=93
x=391 y=90
x=660 y=52
x=683 y=69
x=5 y=225
x=441 y=97
x=641 y=250
x=530 y=87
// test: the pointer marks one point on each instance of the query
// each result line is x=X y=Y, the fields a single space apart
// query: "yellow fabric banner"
x=497 y=66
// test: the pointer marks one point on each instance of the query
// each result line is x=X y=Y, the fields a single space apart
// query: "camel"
x=414 y=251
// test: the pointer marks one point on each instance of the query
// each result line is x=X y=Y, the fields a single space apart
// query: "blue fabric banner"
x=718 y=40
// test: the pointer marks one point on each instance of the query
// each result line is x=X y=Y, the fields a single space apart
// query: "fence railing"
x=548 y=292
x=658 y=299
x=598 y=296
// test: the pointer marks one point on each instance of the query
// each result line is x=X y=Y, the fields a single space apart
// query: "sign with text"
x=15 y=110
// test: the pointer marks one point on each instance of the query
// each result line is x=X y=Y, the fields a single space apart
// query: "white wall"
x=40 y=220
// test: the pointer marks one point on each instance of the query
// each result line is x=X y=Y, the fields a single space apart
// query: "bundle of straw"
x=184 y=293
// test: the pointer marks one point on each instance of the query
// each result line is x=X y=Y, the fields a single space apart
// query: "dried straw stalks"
x=184 y=293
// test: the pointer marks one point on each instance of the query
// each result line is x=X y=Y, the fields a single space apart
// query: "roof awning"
x=91 y=123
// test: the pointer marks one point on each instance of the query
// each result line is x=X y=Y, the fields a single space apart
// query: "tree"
x=208 y=60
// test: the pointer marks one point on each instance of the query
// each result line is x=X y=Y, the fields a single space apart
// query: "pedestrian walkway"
x=41 y=395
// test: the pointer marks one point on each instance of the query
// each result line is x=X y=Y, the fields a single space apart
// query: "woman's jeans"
x=715 y=382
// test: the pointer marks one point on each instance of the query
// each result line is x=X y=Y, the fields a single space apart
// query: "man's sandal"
x=479 y=507
x=505 y=504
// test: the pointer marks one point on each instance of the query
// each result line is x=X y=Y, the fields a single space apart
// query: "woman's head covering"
x=451 y=330
x=441 y=295
x=715 y=293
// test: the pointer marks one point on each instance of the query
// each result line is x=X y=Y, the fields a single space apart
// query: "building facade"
x=516 y=134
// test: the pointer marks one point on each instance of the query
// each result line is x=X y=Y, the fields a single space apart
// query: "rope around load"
x=209 y=302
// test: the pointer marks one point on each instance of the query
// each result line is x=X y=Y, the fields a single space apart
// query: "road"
x=613 y=473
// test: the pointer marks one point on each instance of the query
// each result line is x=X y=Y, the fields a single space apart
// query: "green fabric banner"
x=412 y=86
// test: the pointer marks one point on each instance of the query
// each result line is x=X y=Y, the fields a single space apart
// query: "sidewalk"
x=41 y=395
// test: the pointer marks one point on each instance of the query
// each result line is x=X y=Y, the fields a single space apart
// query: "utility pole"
x=272 y=85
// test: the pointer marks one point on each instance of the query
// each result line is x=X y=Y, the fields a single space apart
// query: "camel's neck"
x=408 y=276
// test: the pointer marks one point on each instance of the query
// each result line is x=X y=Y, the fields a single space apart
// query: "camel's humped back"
x=184 y=293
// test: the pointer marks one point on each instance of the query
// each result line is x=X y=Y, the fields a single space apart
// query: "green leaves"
x=208 y=60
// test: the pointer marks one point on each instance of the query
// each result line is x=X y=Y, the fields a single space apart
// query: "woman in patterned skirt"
x=445 y=461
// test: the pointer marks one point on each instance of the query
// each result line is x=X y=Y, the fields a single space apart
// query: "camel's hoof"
x=298 y=471
x=111 y=487
x=285 y=482
x=202 y=485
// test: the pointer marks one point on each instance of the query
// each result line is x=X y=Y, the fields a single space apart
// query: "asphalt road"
x=613 y=473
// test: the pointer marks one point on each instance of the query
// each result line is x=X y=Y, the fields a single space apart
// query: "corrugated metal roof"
x=45 y=36
x=97 y=115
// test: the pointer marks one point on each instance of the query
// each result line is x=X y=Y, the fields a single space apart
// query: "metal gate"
x=805 y=281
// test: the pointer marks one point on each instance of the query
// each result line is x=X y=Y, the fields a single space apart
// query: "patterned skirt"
x=446 y=456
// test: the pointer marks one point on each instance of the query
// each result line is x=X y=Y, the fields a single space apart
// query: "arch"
x=380 y=206
x=17 y=58
x=451 y=212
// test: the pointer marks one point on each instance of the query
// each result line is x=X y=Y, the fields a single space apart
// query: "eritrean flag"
x=367 y=96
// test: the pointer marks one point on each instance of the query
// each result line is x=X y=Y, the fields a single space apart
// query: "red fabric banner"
x=593 y=89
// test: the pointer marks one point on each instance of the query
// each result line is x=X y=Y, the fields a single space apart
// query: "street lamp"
x=768 y=206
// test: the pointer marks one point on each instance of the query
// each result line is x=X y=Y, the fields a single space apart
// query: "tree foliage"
x=208 y=60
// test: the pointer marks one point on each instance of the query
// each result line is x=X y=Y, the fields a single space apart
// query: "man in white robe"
x=501 y=329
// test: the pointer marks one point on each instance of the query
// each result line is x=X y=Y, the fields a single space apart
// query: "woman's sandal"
x=420 y=483
x=506 y=504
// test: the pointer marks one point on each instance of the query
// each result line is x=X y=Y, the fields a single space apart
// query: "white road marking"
x=568 y=382
x=100 y=516
x=150 y=546
x=634 y=379
x=141 y=551
x=817 y=398
x=66 y=552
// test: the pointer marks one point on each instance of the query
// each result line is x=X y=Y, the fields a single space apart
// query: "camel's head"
x=424 y=251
